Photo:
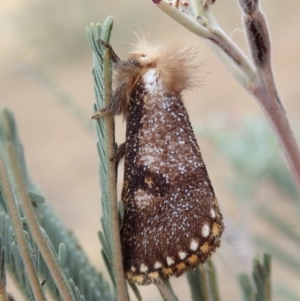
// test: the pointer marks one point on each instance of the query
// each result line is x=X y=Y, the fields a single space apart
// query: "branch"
x=255 y=76
x=36 y=232
x=110 y=237
x=13 y=211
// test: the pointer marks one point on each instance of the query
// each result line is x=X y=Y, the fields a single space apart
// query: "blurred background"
x=45 y=79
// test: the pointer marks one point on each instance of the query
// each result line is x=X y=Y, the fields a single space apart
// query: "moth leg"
x=119 y=154
x=100 y=113
x=115 y=59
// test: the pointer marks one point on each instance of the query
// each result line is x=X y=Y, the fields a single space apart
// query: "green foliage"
x=85 y=282
x=203 y=283
x=262 y=278
x=105 y=126
x=94 y=34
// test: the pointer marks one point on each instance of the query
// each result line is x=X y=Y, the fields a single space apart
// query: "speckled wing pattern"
x=172 y=221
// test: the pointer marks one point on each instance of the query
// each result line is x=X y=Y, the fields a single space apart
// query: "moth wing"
x=172 y=220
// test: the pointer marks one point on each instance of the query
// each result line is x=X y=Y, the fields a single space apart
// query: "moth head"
x=175 y=63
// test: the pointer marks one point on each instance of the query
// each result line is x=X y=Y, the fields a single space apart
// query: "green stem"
x=112 y=182
x=35 y=230
x=212 y=279
x=204 y=284
x=19 y=233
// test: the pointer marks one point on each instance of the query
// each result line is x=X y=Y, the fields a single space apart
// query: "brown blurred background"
x=45 y=63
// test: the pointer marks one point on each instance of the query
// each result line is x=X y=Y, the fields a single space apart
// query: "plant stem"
x=264 y=87
x=19 y=232
x=276 y=114
x=35 y=230
x=212 y=280
x=256 y=76
x=3 y=294
x=204 y=25
x=112 y=180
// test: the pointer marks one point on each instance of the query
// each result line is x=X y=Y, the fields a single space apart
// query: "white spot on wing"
x=212 y=213
x=182 y=255
x=157 y=265
x=143 y=268
x=194 y=244
x=205 y=230
x=170 y=261
x=132 y=269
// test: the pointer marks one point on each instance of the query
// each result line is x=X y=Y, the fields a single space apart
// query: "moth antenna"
x=115 y=59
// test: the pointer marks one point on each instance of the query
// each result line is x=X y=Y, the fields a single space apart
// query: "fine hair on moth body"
x=172 y=221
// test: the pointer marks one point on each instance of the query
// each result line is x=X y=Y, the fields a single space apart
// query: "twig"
x=110 y=237
x=3 y=293
x=256 y=77
x=19 y=233
x=113 y=210
x=35 y=229
x=203 y=25
x=264 y=87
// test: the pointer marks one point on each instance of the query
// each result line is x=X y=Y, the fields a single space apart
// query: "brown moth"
x=172 y=221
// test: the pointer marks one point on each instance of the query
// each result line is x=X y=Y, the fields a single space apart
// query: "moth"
x=172 y=221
